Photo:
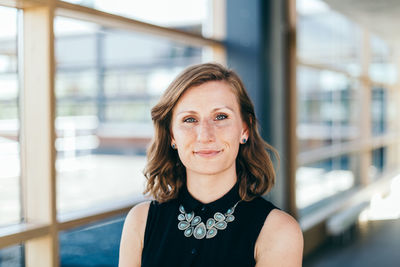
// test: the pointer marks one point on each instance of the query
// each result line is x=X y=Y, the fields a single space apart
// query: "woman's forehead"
x=208 y=96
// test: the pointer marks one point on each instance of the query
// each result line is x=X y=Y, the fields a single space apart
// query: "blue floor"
x=372 y=244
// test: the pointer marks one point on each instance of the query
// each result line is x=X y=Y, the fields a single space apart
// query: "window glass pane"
x=320 y=182
x=92 y=245
x=10 y=207
x=103 y=108
x=382 y=67
x=325 y=37
x=379 y=111
x=328 y=108
x=12 y=256
x=378 y=162
x=188 y=15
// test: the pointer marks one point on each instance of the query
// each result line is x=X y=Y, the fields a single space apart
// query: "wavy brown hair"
x=165 y=172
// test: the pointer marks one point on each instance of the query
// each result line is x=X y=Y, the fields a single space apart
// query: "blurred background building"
x=78 y=79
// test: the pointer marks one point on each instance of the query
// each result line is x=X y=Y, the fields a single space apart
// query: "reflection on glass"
x=325 y=37
x=10 y=207
x=107 y=81
x=323 y=180
x=379 y=111
x=328 y=108
x=12 y=256
x=93 y=245
x=188 y=15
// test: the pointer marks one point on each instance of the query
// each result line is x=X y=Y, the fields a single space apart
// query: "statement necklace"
x=192 y=225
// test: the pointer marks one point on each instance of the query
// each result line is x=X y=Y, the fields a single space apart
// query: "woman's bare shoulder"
x=137 y=218
x=280 y=238
x=138 y=212
x=133 y=235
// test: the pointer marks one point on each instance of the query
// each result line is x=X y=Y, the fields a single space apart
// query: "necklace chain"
x=192 y=224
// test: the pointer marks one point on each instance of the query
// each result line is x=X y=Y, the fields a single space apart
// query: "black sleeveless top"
x=228 y=239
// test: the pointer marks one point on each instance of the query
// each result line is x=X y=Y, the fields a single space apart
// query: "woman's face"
x=207 y=128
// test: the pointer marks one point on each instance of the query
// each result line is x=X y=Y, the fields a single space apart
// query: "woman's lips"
x=207 y=153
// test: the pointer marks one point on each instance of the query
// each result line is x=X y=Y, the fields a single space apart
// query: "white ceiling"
x=380 y=16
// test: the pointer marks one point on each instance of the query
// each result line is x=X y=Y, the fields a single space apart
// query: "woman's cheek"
x=184 y=132
x=223 y=124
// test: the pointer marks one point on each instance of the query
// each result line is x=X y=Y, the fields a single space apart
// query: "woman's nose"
x=206 y=132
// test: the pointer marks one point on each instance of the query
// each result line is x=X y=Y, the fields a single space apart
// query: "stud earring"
x=244 y=140
x=173 y=146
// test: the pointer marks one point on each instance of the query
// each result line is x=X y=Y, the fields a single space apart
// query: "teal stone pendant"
x=200 y=231
x=211 y=233
x=188 y=232
x=183 y=225
x=192 y=224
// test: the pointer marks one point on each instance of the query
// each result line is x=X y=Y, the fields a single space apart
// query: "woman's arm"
x=130 y=251
x=280 y=242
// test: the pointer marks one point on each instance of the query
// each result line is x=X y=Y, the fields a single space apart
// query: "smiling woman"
x=165 y=171
x=207 y=170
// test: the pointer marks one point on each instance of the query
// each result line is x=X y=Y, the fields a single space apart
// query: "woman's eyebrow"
x=186 y=111
x=227 y=107
x=213 y=110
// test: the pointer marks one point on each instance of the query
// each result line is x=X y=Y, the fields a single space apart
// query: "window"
x=345 y=106
x=84 y=110
x=188 y=15
x=382 y=68
x=378 y=111
x=107 y=81
x=327 y=38
x=378 y=162
x=328 y=108
x=322 y=181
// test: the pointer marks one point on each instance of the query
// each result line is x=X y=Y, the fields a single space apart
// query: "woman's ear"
x=172 y=138
x=245 y=131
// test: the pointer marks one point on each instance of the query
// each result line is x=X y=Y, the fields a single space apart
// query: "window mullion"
x=37 y=133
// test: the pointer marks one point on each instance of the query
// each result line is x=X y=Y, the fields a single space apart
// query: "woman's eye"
x=189 y=120
x=221 y=117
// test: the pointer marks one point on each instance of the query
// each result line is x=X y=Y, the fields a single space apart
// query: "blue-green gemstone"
x=229 y=211
x=196 y=220
x=211 y=233
x=188 y=232
x=210 y=223
x=221 y=225
x=230 y=218
x=200 y=231
x=189 y=216
x=183 y=225
x=219 y=216
x=181 y=209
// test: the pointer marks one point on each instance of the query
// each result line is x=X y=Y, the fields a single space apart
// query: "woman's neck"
x=208 y=188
